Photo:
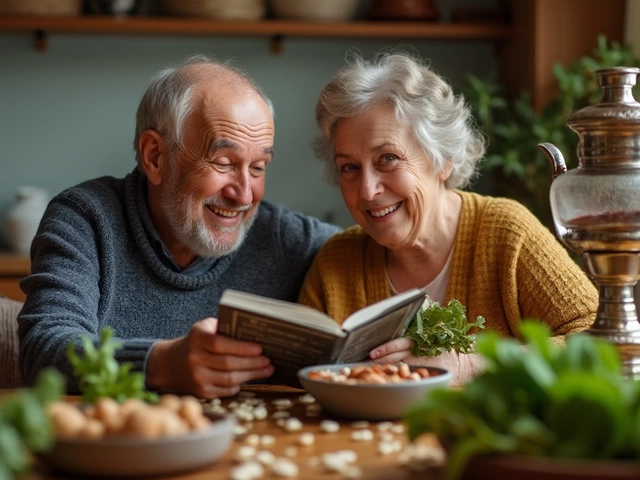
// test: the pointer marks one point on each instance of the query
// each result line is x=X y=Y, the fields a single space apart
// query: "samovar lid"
x=617 y=106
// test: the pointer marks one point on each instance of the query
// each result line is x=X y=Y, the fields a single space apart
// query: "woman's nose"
x=370 y=185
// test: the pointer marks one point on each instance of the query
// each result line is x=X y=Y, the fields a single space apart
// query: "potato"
x=68 y=421
x=107 y=411
x=146 y=422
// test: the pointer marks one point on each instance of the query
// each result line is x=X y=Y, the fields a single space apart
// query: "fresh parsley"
x=437 y=330
x=99 y=373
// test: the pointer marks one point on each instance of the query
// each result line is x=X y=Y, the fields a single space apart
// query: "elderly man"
x=150 y=254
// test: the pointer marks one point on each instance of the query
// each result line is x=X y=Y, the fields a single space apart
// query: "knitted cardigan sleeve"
x=508 y=267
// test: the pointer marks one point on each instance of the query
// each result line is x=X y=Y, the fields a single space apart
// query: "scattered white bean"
x=281 y=414
x=329 y=426
x=306 y=438
x=364 y=435
x=388 y=447
x=265 y=457
x=260 y=412
x=397 y=428
x=266 y=440
x=239 y=430
x=283 y=467
x=247 y=471
x=420 y=457
x=281 y=403
x=384 y=426
x=253 y=439
x=293 y=424
x=245 y=452
x=306 y=399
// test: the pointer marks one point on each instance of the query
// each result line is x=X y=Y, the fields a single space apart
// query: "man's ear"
x=153 y=156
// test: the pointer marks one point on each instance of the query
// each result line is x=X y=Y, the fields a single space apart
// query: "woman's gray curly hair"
x=441 y=121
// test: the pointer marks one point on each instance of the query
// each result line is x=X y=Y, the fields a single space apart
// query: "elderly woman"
x=401 y=146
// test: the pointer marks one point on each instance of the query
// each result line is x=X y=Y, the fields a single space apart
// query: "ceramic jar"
x=23 y=217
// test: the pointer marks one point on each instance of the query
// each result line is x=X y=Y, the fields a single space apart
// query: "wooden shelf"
x=276 y=29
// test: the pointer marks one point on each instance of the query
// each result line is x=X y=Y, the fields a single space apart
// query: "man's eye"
x=222 y=167
x=258 y=170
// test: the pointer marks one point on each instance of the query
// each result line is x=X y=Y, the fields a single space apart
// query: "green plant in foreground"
x=514 y=129
x=99 y=373
x=437 y=330
x=539 y=400
x=25 y=427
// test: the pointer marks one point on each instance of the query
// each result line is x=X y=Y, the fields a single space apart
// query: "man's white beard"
x=191 y=230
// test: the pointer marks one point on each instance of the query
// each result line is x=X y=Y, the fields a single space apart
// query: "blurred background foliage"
x=514 y=165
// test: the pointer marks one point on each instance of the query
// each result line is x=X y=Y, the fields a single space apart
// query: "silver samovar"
x=596 y=207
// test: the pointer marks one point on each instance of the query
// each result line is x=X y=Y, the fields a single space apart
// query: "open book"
x=294 y=336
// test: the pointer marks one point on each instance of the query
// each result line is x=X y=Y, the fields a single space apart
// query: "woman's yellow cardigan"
x=506 y=266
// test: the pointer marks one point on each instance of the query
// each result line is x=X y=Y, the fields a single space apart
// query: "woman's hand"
x=463 y=366
x=393 y=351
x=204 y=363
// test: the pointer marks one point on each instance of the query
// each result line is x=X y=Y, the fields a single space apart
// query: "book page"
x=381 y=308
x=290 y=347
x=286 y=311
x=390 y=323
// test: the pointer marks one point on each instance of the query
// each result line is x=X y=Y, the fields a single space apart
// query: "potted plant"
x=514 y=165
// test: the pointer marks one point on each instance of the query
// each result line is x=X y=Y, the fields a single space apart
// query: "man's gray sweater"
x=93 y=265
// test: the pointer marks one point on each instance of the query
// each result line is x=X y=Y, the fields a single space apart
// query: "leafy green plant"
x=25 y=426
x=514 y=129
x=100 y=374
x=538 y=400
x=437 y=330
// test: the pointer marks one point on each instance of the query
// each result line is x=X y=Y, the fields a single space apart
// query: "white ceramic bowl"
x=136 y=457
x=315 y=10
x=366 y=401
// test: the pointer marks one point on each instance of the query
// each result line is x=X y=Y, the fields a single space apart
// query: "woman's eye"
x=390 y=158
x=348 y=167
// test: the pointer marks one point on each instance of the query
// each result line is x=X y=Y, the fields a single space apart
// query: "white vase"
x=23 y=217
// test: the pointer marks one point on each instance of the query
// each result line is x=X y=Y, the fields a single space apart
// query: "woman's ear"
x=153 y=156
x=446 y=172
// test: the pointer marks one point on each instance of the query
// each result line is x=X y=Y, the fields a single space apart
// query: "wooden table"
x=373 y=465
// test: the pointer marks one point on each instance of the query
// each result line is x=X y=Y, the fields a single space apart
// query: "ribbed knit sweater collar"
x=139 y=216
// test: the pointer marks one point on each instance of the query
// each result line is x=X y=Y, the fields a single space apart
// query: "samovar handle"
x=554 y=155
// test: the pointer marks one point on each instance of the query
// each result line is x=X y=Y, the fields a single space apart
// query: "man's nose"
x=239 y=189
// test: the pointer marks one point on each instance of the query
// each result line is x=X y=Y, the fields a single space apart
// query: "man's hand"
x=204 y=363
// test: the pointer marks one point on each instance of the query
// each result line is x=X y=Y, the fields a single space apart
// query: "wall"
x=67 y=114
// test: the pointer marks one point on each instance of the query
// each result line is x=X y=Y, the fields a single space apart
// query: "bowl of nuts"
x=112 y=440
x=370 y=391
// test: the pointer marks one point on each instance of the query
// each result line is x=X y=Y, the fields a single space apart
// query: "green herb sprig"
x=538 y=400
x=24 y=424
x=100 y=375
x=436 y=330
